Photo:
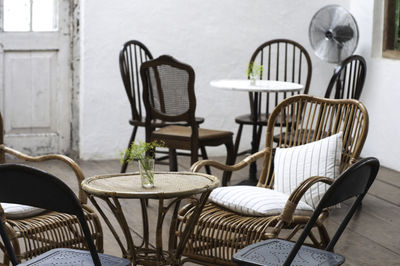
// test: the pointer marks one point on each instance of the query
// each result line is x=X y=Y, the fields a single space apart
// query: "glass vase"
x=146 y=170
x=252 y=80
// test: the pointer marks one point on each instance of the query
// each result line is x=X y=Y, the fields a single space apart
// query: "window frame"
x=55 y=12
x=391 y=34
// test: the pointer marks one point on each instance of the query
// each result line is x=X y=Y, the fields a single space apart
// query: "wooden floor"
x=371 y=238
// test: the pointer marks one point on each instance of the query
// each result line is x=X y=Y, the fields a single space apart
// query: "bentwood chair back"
x=30 y=186
x=131 y=57
x=348 y=79
x=353 y=183
x=282 y=60
x=169 y=96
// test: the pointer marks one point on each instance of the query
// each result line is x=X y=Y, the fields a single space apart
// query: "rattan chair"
x=282 y=60
x=131 y=57
x=27 y=185
x=220 y=232
x=168 y=93
x=348 y=79
x=32 y=236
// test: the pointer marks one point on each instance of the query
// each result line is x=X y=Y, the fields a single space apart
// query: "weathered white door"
x=35 y=75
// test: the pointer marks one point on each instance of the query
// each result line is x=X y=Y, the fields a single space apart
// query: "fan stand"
x=330 y=36
x=341 y=79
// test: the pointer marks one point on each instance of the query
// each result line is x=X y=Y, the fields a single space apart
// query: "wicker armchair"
x=220 y=232
x=37 y=234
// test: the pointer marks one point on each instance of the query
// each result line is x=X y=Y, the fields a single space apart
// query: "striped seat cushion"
x=319 y=158
x=255 y=201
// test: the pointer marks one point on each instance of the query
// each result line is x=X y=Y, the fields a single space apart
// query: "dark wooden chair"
x=353 y=183
x=282 y=60
x=168 y=94
x=346 y=82
x=131 y=57
x=30 y=186
x=348 y=79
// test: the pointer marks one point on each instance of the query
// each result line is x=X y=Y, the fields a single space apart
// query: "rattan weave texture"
x=219 y=232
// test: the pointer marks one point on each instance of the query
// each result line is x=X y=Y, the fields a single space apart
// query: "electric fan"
x=333 y=33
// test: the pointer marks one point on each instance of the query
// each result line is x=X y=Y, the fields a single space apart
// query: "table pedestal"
x=145 y=253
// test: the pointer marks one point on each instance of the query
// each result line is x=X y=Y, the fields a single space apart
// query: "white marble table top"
x=260 y=86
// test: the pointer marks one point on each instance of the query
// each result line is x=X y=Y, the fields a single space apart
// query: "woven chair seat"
x=227 y=230
x=51 y=230
x=184 y=133
x=158 y=123
x=248 y=120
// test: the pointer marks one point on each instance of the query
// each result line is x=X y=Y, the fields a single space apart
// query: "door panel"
x=29 y=81
x=35 y=88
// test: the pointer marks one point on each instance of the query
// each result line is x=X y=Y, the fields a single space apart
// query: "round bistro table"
x=260 y=86
x=170 y=186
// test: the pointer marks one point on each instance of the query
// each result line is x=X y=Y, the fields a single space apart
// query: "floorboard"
x=371 y=238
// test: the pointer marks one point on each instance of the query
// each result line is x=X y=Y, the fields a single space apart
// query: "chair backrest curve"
x=348 y=79
x=309 y=119
x=168 y=90
x=131 y=57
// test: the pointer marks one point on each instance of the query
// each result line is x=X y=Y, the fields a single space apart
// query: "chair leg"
x=237 y=140
x=173 y=161
x=132 y=139
x=205 y=157
x=259 y=133
x=230 y=160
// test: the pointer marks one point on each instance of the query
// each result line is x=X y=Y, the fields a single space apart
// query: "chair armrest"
x=231 y=168
x=71 y=163
x=294 y=198
x=287 y=217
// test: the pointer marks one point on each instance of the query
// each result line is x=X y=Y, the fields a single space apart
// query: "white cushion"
x=18 y=211
x=293 y=165
x=255 y=201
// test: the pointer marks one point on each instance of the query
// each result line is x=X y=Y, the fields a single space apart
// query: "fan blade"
x=327 y=50
x=339 y=17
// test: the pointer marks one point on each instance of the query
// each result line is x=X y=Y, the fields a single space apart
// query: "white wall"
x=381 y=93
x=216 y=37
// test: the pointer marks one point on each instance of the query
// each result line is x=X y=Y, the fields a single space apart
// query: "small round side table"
x=170 y=186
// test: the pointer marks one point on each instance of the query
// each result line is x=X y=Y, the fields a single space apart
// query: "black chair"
x=354 y=182
x=346 y=82
x=348 y=79
x=282 y=60
x=131 y=57
x=21 y=184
